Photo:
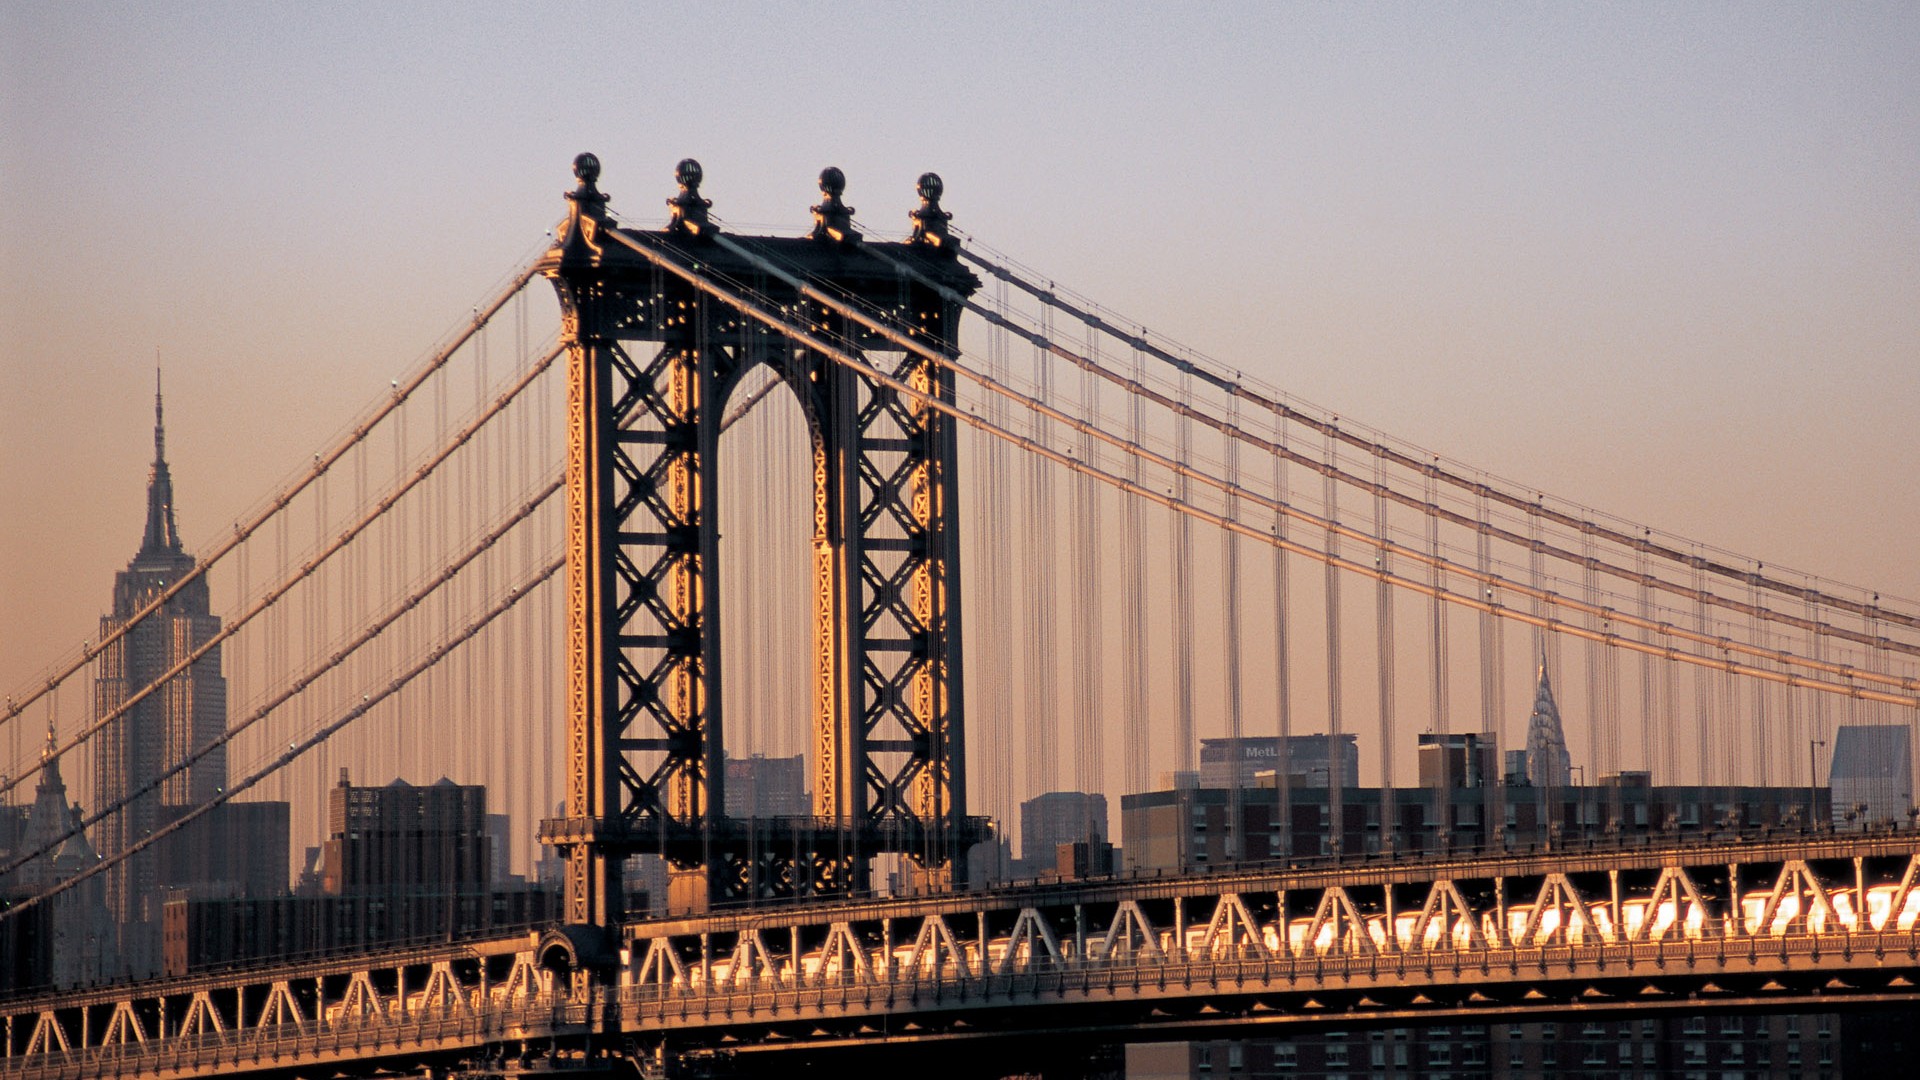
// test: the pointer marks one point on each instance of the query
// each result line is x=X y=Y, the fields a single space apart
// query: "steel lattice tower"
x=652 y=361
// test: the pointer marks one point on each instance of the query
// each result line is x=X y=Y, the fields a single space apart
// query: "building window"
x=1203 y=1057
x=1695 y=1025
x=1236 y=1055
x=1337 y=1053
x=1285 y=1056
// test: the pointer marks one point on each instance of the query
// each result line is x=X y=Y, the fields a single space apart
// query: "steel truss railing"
x=1751 y=925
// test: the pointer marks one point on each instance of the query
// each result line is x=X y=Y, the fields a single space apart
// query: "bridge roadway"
x=1801 y=923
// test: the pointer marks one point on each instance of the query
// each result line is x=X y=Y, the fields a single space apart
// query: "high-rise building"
x=1307 y=759
x=76 y=938
x=402 y=839
x=186 y=714
x=762 y=787
x=1465 y=760
x=1548 y=763
x=1055 y=818
x=1872 y=774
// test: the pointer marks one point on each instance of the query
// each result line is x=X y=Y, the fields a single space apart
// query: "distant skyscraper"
x=759 y=787
x=1256 y=759
x=401 y=839
x=1548 y=764
x=80 y=931
x=1055 y=818
x=1872 y=773
x=189 y=712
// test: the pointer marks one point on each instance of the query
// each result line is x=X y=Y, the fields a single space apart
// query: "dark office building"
x=401 y=839
x=763 y=787
x=1697 y=1047
x=1872 y=774
x=1056 y=818
x=200 y=933
x=1197 y=828
x=69 y=939
x=400 y=864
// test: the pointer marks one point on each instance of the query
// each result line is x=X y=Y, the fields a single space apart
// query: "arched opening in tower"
x=765 y=464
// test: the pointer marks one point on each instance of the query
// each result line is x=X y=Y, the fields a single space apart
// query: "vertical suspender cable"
x=1762 y=741
x=1702 y=697
x=1383 y=646
x=1089 y=775
x=1493 y=671
x=1282 y=661
x=1042 y=716
x=1649 y=707
x=1595 y=662
x=1230 y=650
x=1134 y=617
x=1440 y=796
x=999 y=614
x=1183 y=592
x=1336 y=753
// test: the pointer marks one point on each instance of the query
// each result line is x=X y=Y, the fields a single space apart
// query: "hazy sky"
x=1661 y=260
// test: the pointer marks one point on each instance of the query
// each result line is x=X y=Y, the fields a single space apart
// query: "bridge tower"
x=652 y=359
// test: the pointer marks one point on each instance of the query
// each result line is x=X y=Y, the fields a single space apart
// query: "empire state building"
x=186 y=713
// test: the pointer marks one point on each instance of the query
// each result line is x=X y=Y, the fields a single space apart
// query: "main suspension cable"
x=1183 y=408
x=1531 y=507
x=293 y=689
x=306 y=570
x=910 y=341
x=295 y=750
x=321 y=464
x=739 y=297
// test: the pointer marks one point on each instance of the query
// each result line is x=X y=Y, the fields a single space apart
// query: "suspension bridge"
x=724 y=510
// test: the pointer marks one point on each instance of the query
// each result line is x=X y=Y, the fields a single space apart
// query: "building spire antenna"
x=159 y=413
x=162 y=535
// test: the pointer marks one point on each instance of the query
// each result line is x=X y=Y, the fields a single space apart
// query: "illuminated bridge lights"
x=1723 y=927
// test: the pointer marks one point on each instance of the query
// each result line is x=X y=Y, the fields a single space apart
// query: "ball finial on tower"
x=586 y=168
x=688 y=210
x=929 y=221
x=833 y=219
